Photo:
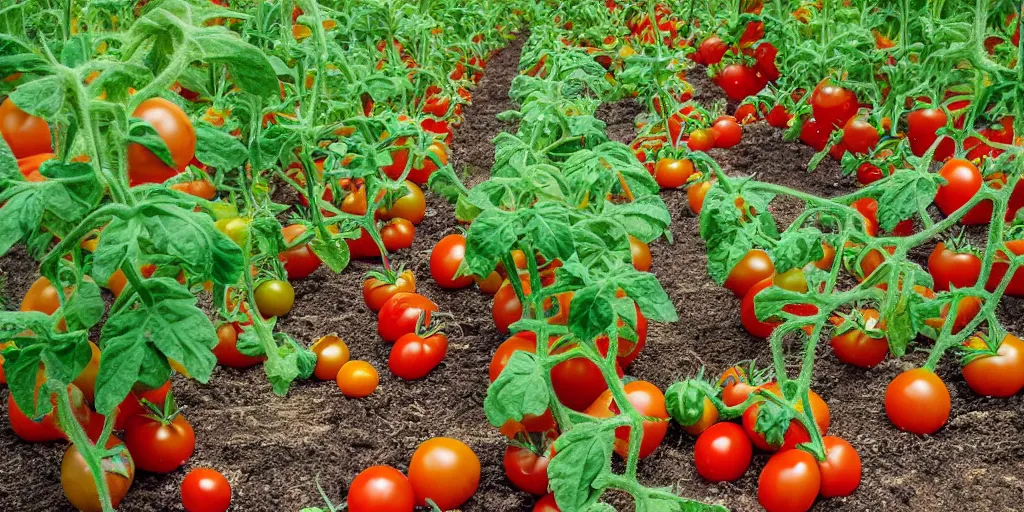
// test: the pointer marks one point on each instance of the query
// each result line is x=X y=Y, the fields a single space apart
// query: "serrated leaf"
x=519 y=390
x=84 y=308
x=43 y=97
x=218 y=149
x=798 y=248
x=905 y=194
x=582 y=454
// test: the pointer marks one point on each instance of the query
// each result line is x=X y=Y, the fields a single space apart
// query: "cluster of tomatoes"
x=157 y=437
x=443 y=471
x=661 y=149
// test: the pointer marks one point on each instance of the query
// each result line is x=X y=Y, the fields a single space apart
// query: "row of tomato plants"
x=893 y=302
x=142 y=145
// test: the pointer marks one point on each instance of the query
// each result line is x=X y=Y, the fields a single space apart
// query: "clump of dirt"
x=272 y=449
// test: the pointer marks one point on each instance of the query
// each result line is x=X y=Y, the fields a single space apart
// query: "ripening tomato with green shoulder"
x=25 y=134
x=175 y=129
x=756 y=266
x=790 y=482
x=649 y=401
x=300 y=261
x=76 y=479
x=1000 y=374
x=917 y=401
x=796 y=433
x=857 y=341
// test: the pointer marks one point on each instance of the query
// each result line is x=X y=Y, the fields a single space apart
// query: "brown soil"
x=273 y=449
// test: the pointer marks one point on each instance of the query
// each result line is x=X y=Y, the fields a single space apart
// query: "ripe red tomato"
x=199 y=188
x=752 y=269
x=578 y=382
x=79 y=486
x=670 y=173
x=917 y=401
x=739 y=81
x=1001 y=266
x=414 y=356
x=856 y=346
x=525 y=341
x=546 y=504
x=377 y=289
x=527 y=470
x=640 y=254
x=868 y=173
x=728 y=132
x=859 y=136
x=815 y=133
x=357 y=379
x=840 y=471
x=702 y=139
x=833 y=105
x=649 y=401
x=331 y=354
x=174 y=127
x=921 y=127
x=952 y=267
x=401 y=313
x=132 y=404
x=711 y=51
x=299 y=262
x=159 y=446
x=380 y=489
x=735 y=385
x=205 y=490
x=746 y=114
x=420 y=175
x=765 y=54
x=437 y=105
x=46 y=429
x=1000 y=375
x=27 y=135
x=274 y=298
x=227 y=349
x=444 y=470
x=411 y=206
x=397 y=234
x=722 y=453
x=796 y=433
x=963 y=181
x=790 y=482
x=445 y=259
x=778 y=117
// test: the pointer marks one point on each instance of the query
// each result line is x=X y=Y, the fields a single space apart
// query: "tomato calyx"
x=163 y=413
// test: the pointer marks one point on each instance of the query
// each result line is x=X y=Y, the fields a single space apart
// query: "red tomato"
x=649 y=401
x=174 y=127
x=728 y=132
x=856 y=346
x=711 y=51
x=815 y=133
x=401 y=313
x=921 y=127
x=868 y=173
x=739 y=81
x=778 y=117
x=299 y=262
x=722 y=453
x=546 y=504
x=765 y=54
x=859 y=136
x=414 y=356
x=444 y=470
x=952 y=267
x=833 y=105
x=735 y=385
x=378 y=288
x=46 y=429
x=578 y=382
x=227 y=349
x=671 y=173
x=796 y=433
x=1000 y=375
x=526 y=470
x=917 y=401
x=701 y=140
x=763 y=328
x=840 y=471
x=159 y=446
x=205 y=490
x=27 y=135
x=420 y=175
x=1000 y=267
x=445 y=259
x=380 y=489
x=746 y=114
x=963 y=181
x=752 y=269
x=789 y=482
x=397 y=234
x=525 y=341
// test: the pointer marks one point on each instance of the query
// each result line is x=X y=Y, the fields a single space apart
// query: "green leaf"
x=142 y=133
x=490 y=236
x=20 y=216
x=769 y=302
x=726 y=239
x=172 y=235
x=333 y=251
x=85 y=307
x=582 y=454
x=519 y=390
x=219 y=149
x=798 y=248
x=247 y=65
x=21 y=367
x=172 y=325
x=905 y=194
x=646 y=218
x=43 y=97
x=547 y=224
x=592 y=311
x=685 y=402
x=772 y=421
x=8 y=164
x=646 y=290
x=118 y=243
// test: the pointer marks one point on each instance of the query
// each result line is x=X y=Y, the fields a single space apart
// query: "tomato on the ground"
x=401 y=313
x=728 y=132
x=380 y=489
x=546 y=504
x=840 y=471
x=917 y=401
x=205 y=490
x=446 y=258
x=414 y=355
x=357 y=379
x=790 y=482
x=444 y=470
x=722 y=453
x=527 y=470
x=379 y=288
x=1000 y=375
x=331 y=354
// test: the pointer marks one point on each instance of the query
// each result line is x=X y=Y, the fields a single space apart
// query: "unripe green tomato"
x=236 y=228
x=274 y=298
